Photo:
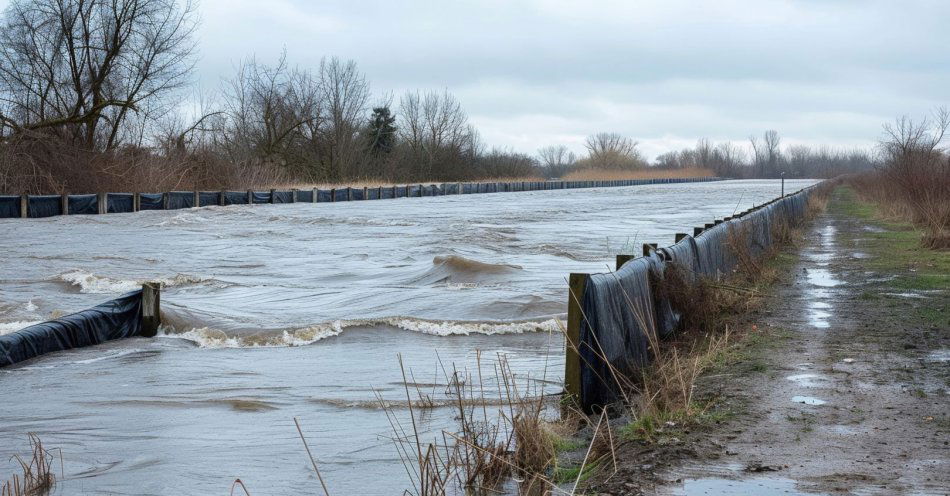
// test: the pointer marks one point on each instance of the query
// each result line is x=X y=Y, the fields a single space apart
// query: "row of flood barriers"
x=35 y=206
x=613 y=316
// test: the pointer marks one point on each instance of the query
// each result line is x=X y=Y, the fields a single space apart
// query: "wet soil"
x=845 y=390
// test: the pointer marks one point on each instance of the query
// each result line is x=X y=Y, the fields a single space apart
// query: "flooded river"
x=283 y=311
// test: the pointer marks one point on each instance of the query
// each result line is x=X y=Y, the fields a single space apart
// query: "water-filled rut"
x=358 y=282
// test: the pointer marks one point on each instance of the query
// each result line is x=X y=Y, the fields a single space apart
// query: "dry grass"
x=921 y=197
x=648 y=173
x=374 y=183
x=37 y=477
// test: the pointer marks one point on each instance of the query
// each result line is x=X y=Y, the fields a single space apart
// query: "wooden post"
x=314 y=198
x=250 y=197
x=349 y=193
x=646 y=249
x=333 y=194
x=24 y=206
x=710 y=225
x=572 y=358
x=101 y=206
x=151 y=309
x=197 y=200
x=272 y=191
x=622 y=259
x=136 y=201
x=221 y=196
x=365 y=193
x=165 y=201
x=679 y=237
x=697 y=231
x=293 y=195
x=459 y=188
x=64 y=203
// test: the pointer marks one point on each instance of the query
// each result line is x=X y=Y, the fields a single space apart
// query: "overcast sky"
x=533 y=73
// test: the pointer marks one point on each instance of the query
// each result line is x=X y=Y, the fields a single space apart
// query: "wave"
x=87 y=282
x=207 y=337
x=454 y=269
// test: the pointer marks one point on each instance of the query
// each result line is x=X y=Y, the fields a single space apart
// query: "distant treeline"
x=91 y=96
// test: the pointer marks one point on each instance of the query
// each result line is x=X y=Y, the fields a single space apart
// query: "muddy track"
x=848 y=395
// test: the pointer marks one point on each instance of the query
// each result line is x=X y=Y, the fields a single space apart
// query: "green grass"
x=896 y=249
x=563 y=475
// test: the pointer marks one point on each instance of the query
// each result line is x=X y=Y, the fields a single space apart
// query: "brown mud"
x=842 y=387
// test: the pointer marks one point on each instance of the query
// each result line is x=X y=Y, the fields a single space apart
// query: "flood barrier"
x=36 y=206
x=612 y=316
x=133 y=314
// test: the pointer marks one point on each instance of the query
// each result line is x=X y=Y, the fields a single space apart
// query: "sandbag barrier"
x=36 y=206
x=132 y=314
x=611 y=316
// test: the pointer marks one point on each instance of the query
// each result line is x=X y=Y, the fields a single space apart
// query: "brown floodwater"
x=282 y=311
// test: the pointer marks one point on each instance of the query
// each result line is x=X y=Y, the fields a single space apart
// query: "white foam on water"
x=30 y=306
x=207 y=337
x=97 y=284
x=8 y=327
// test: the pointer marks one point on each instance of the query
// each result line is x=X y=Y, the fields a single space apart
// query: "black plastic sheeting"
x=9 y=207
x=621 y=309
x=402 y=191
x=208 y=198
x=261 y=197
x=324 y=195
x=356 y=194
x=44 y=206
x=152 y=201
x=115 y=319
x=180 y=199
x=83 y=204
x=373 y=193
x=342 y=194
x=387 y=193
x=305 y=196
x=282 y=197
x=120 y=203
x=235 y=198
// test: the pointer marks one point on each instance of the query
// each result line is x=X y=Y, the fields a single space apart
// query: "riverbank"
x=840 y=385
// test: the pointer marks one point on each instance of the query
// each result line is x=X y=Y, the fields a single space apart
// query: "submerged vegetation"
x=37 y=476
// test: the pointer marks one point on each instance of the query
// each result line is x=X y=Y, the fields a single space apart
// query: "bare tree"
x=436 y=133
x=556 y=160
x=79 y=69
x=612 y=151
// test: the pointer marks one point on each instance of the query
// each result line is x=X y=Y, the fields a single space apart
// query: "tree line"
x=91 y=99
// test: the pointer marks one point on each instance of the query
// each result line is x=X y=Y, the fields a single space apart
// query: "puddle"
x=942 y=355
x=808 y=380
x=873 y=229
x=917 y=296
x=804 y=366
x=772 y=486
x=848 y=360
x=808 y=400
x=860 y=255
x=819 y=319
x=822 y=278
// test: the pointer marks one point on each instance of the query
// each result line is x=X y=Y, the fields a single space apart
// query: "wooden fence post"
x=333 y=194
x=196 y=202
x=572 y=359
x=697 y=231
x=24 y=206
x=221 y=196
x=293 y=195
x=151 y=309
x=272 y=191
x=314 y=198
x=622 y=259
x=250 y=197
x=64 y=203
x=679 y=237
x=136 y=201
x=101 y=206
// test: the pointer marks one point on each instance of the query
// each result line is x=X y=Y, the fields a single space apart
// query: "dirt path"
x=847 y=392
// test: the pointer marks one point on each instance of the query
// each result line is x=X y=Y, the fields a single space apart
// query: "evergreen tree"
x=381 y=131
